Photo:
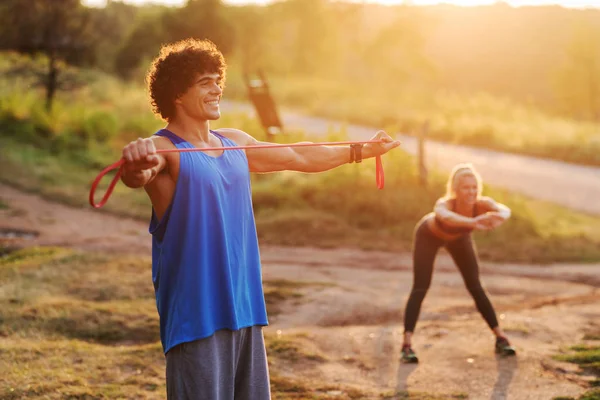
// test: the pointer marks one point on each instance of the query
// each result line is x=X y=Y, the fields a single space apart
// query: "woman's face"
x=466 y=189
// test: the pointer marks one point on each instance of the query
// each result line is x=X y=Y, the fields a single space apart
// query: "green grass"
x=587 y=356
x=593 y=394
x=422 y=396
x=63 y=368
x=291 y=349
x=339 y=208
x=70 y=329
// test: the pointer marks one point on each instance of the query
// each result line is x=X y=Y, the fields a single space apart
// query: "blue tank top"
x=205 y=259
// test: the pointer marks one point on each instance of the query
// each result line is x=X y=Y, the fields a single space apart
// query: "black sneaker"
x=504 y=348
x=408 y=355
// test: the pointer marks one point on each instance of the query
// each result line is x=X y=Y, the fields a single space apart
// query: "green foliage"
x=105 y=112
x=142 y=44
x=58 y=153
x=99 y=126
x=201 y=19
x=365 y=63
x=60 y=30
x=393 y=48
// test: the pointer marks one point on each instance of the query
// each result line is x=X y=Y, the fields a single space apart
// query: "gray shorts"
x=225 y=366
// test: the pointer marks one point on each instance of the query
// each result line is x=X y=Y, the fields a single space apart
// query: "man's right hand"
x=142 y=163
x=140 y=155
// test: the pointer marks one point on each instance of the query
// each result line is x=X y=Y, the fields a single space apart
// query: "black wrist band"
x=356 y=152
x=351 y=154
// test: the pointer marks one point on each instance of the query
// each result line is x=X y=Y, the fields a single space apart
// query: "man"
x=205 y=259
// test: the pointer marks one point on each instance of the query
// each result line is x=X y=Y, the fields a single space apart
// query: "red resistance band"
x=378 y=165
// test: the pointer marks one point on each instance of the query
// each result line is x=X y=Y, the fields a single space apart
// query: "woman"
x=458 y=213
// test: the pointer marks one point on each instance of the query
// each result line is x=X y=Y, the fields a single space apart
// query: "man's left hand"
x=377 y=149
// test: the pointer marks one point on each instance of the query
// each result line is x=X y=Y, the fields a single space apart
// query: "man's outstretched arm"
x=305 y=159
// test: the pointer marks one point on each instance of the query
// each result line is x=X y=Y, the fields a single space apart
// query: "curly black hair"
x=175 y=69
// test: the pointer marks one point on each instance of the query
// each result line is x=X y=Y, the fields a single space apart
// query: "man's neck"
x=190 y=130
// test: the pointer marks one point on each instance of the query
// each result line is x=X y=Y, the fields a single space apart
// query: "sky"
x=515 y=3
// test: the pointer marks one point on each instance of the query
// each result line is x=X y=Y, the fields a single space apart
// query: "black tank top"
x=453 y=230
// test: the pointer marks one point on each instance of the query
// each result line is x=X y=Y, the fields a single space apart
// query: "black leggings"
x=426 y=246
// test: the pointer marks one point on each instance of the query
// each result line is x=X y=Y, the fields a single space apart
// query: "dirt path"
x=355 y=324
x=352 y=305
x=54 y=224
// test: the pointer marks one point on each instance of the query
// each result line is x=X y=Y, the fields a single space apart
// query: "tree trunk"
x=51 y=82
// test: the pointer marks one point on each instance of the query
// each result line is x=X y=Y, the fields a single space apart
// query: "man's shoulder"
x=162 y=142
x=240 y=137
x=230 y=131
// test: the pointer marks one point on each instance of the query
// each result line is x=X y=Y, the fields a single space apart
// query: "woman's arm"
x=495 y=208
x=445 y=214
x=496 y=213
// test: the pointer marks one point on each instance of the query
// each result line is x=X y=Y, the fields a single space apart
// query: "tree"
x=58 y=29
x=201 y=19
x=143 y=43
x=112 y=24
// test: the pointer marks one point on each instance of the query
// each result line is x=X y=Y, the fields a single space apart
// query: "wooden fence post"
x=264 y=104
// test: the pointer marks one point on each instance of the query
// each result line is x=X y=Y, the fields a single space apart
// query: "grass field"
x=587 y=356
x=58 y=154
x=70 y=330
x=340 y=208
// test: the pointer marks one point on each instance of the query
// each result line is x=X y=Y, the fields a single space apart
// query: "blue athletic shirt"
x=205 y=259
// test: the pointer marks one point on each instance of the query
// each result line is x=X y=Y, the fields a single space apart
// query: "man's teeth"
x=212 y=103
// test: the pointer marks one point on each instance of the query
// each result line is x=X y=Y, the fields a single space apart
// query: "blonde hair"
x=460 y=170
